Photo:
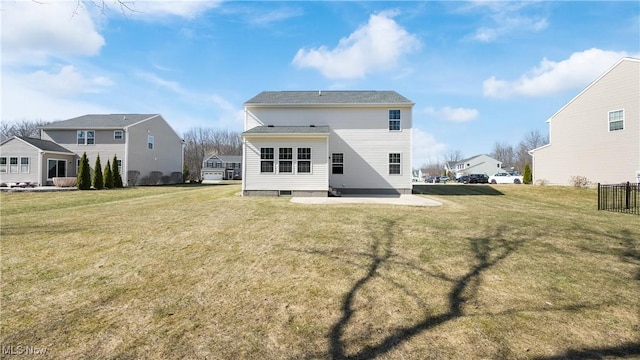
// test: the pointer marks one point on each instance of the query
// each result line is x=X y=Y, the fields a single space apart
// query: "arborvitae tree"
x=84 y=173
x=108 y=176
x=527 y=176
x=98 y=180
x=117 y=178
x=185 y=172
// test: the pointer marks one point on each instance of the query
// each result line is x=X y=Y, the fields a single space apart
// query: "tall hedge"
x=84 y=173
x=98 y=179
x=108 y=176
x=527 y=177
x=117 y=178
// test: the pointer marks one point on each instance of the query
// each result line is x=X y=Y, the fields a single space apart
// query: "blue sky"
x=479 y=72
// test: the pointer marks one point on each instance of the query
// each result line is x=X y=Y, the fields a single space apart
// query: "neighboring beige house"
x=34 y=161
x=147 y=148
x=597 y=134
x=479 y=164
x=221 y=167
x=305 y=143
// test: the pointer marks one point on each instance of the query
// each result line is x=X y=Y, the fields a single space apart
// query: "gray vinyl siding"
x=104 y=145
x=359 y=132
x=314 y=181
x=17 y=148
x=166 y=155
x=580 y=141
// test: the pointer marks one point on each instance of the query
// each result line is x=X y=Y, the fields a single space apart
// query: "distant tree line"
x=23 y=128
x=201 y=142
x=512 y=157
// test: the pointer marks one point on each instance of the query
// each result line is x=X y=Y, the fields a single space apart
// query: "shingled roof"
x=281 y=130
x=102 y=121
x=44 y=145
x=329 y=98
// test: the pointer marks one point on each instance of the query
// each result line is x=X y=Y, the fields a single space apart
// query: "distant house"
x=146 y=146
x=34 y=161
x=221 y=167
x=479 y=164
x=597 y=134
x=305 y=143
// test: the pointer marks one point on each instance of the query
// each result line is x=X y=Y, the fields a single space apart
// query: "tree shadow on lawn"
x=455 y=190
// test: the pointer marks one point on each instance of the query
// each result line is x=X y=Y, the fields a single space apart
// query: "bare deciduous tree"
x=24 y=128
x=202 y=142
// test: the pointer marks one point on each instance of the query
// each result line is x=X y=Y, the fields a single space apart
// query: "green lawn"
x=200 y=272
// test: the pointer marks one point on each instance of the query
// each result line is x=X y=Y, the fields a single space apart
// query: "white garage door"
x=212 y=175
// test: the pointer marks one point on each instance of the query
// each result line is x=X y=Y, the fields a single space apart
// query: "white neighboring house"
x=479 y=164
x=221 y=167
x=597 y=134
x=305 y=143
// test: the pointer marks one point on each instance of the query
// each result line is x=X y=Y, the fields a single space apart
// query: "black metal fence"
x=620 y=197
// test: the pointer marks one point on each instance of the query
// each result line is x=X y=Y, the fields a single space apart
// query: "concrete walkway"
x=407 y=200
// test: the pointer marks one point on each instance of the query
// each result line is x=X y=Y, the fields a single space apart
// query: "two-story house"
x=306 y=143
x=221 y=167
x=145 y=144
x=479 y=164
x=597 y=134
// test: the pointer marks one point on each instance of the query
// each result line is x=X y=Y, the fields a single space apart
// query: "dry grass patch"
x=199 y=272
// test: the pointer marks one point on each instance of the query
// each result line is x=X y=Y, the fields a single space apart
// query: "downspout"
x=40 y=156
x=244 y=163
x=125 y=161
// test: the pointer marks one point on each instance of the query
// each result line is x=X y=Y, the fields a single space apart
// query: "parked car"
x=478 y=179
x=464 y=179
x=505 y=178
x=444 y=179
x=432 y=179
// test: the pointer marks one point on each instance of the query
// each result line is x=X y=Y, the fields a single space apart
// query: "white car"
x=505 y=178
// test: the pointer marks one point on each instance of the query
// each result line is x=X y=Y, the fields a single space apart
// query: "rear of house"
x=597 y=134
x=309 y=142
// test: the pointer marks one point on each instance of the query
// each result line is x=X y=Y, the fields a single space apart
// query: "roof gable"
x=593 y=84
x=44 y=145
x=281 y=98
x=97 y=121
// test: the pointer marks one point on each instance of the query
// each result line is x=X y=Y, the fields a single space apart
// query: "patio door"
x=57 y=168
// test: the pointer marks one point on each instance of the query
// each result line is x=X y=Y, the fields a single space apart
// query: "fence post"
x=599 y=208
x=627 y=195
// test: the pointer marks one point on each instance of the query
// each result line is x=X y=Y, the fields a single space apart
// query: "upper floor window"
x=150 y=142
x=394 y=164
x=86 y=137
x=118 y=134
x=285 y=165
x=616 y=120
x=394 y=120
x=266 y=160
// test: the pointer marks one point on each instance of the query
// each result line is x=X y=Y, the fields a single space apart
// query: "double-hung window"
x=3 y=165
x=394 y=120
x=616 y=120
x=337 y=163
x=266 y=160
x=13 y=165
x=118 y=134
x=24 y=164
x=304 y=160
x=394 y=163
x=86 y=137
x=285 y=163
x=150 y=142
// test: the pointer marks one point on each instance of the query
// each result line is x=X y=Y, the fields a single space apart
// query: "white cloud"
x=68 y=81
x=458 y=115
x=29 y=103
x=506 y=18
x=426 y=149
x=549 y=77
x=161 y=8
x=376 y=46
x=33 y=31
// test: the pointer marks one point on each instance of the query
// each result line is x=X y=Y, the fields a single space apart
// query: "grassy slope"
x=199 y=272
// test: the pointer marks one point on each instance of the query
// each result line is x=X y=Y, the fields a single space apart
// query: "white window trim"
x=332 y=163
x=150 y=141
x=389 y=164
x=609 y=120
x=20 y=164
x=292 y=161
x=3 y=167
x=86 y=137
x=399 y=120
x=310 y=160
x=121 y=134
x=272 y=160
